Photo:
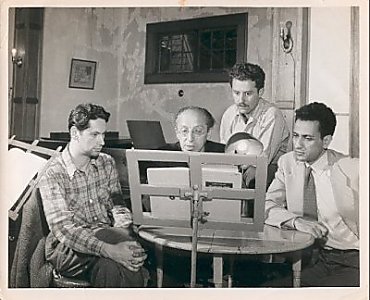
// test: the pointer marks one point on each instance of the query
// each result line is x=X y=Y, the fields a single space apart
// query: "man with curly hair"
x=252 y=114
x=79 y=191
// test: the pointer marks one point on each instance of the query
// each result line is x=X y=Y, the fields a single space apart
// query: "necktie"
x=245 y=118
x=309 y=201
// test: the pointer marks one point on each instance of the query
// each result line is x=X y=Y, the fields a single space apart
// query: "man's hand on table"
x=315 y=228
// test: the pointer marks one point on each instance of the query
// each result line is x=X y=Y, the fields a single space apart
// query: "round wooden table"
x=221 y=242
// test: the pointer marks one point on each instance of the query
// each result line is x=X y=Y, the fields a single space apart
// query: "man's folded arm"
x=113 y=182
x=276 y=212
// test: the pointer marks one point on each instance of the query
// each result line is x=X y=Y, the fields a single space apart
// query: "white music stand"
x=197 y=193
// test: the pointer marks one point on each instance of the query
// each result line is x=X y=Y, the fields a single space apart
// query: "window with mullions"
x=196 y=50
x=176 y=52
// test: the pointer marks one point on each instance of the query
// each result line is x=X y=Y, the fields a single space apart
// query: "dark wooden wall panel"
x=27 y=77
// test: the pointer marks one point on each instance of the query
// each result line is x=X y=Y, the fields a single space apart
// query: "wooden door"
x=25 y=100
x=289 y=67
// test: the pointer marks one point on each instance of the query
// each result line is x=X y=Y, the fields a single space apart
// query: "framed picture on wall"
x=82 y=75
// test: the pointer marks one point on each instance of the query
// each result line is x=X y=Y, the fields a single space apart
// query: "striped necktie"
x=309 y=200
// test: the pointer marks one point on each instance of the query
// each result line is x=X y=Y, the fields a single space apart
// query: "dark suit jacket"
x=144 y=165
x=208 y=147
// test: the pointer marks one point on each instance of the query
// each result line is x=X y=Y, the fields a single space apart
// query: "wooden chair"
x=32 y=176
x=29 y=267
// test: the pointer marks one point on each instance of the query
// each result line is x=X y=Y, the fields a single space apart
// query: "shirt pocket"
x=77 y=208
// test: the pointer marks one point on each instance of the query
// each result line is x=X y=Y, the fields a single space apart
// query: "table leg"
x=217 y=270
x=231 y=272
x=296 y=267
x=159 y=264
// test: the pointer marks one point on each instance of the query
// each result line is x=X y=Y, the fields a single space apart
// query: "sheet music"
x=213 y=176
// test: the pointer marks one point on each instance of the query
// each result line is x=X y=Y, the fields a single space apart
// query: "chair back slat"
x=32 y=183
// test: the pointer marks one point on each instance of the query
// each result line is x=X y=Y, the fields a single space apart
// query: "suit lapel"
x=345 y=198
x=295 y=188
x=345 y=193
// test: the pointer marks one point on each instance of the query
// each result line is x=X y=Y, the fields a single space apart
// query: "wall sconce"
x=286 y=37
x=17 y=57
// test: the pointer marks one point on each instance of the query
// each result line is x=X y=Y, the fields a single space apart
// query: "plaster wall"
x=329 y=67
x=115 y=38
x=81 y=33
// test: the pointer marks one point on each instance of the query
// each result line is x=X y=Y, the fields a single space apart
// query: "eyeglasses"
x=196 y=131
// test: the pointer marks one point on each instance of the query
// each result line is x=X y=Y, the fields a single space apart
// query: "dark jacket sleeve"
x=214 y=147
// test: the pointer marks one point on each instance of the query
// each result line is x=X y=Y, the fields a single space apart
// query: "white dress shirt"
x=339 y=235
x=265 y=122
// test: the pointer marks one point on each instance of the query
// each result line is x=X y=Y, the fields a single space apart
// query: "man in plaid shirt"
x=79 y=191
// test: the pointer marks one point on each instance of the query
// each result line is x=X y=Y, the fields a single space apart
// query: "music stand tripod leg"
x=196 y=213
x=296 y=268
x=194 y=243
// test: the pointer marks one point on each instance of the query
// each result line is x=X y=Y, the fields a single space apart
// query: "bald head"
x=243 y=143
x=196 y=112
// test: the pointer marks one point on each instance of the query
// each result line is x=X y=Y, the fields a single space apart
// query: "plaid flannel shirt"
x=77 y=203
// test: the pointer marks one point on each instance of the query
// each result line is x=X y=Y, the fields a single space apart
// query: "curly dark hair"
x=83 y=113
x=210 y=120
x=318 y=112
x=247 y=71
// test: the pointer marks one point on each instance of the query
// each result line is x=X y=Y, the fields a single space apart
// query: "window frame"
x=155 y=30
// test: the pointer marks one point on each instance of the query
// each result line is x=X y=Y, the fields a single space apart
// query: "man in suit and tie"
x=315 y=190
x=252 y=114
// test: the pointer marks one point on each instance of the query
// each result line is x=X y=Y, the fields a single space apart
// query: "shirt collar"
x=252 y=115
x=320 y=165
x=70 y=166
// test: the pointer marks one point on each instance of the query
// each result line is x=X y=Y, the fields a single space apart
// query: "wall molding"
x=354 y=115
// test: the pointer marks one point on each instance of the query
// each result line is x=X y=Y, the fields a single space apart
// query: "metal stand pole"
x=194 y=240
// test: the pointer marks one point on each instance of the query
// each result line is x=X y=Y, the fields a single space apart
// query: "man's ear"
x=209 y=134
x=327 y=140
x=261 y=91
x=74 y=133
x=177 y=133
